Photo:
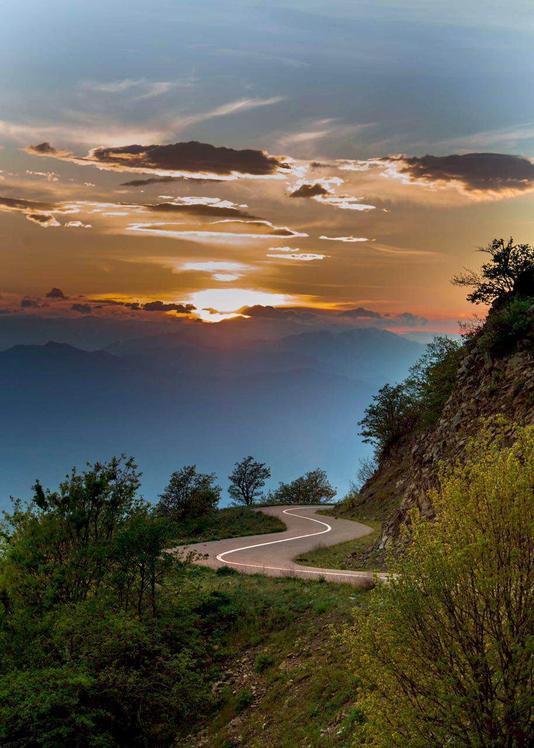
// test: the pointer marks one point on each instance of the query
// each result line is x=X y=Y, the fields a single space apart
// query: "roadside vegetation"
x=109 y=641
x=444 y=649
x=349 y=555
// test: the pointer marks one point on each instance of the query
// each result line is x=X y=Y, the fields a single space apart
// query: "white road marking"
x=321 y=572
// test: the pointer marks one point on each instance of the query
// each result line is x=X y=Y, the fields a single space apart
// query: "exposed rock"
x=485 y=387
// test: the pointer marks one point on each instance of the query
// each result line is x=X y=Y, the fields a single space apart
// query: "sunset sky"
x=216 y=156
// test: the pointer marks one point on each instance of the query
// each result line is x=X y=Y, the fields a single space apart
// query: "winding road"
x=273 y=554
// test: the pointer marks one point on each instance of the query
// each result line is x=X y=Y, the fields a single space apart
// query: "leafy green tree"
x=444 y=649
x=510 y=270
x=247 y=480
x=390 y=415
x=140 y=560
x=432 y=377
x=311 y=488
x=60 y=548
x=189 y=494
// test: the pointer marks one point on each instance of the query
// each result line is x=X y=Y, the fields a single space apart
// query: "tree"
x=140 y=560
x=189 y=494
x=247 y=479
x=366 y=470
x=444 y=649
x=432 y=377
x=390 y=415
x=59 y=550
x=311 y=488
x=509 y=271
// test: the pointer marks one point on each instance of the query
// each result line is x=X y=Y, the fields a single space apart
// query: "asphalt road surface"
x=272 y=554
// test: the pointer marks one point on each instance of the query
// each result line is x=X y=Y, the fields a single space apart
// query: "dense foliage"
x=417 y=401
x=311 y=488
x=95 y=652
x=189 y=494
x=506 y=326
x=445 y=648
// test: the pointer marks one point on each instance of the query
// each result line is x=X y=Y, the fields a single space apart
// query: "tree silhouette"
x=509 y=271
x=247 y=479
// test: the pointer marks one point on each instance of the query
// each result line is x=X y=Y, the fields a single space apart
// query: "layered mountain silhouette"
x=175 y=399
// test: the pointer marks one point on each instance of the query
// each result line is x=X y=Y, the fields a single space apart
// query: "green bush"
x=263 y=662
x=444 y=649
x=506 y=326
x=243 y=700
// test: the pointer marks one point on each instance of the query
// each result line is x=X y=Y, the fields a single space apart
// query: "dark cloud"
x=82 y=308
x=361 y=312
x=491 y=172
x=259 y=310
x=37 y=212
x=310 y=190
x=42 y=149
x=15 y=203
x=321 y=165
x=283 y=232
x=166 y=180
x=191 y=157
x=56 y=293
x=200 y=210
x=29 y=304
x=43 y=219
x=161 y=306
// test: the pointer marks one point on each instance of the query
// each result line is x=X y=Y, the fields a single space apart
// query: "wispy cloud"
x=220 y=270
x=296 y=256
x=136 y=89
x=93 y=129
x=348 y=239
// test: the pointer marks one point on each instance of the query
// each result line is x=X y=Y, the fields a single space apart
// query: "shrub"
x=243 y=700
x=444 y=648
x=226 y=571
x=505 y=326
x=263 y=662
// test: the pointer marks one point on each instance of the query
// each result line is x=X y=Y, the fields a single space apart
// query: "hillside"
x=495 y=377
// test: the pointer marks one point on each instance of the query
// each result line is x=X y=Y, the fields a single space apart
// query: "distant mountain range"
x=174 y=399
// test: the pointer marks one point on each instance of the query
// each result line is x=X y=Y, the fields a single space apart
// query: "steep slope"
x=486 y=385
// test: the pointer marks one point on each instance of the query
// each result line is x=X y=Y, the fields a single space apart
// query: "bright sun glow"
x=226 y=302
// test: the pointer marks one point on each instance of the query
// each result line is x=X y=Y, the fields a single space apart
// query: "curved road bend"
x=272 y=554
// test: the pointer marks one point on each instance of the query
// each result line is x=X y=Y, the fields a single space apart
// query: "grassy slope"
x=284 y=679
x=344 y=555
x=231 y=522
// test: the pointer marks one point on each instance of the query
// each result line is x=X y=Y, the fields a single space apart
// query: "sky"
x=196 y=159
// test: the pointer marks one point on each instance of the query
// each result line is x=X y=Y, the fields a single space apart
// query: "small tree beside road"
x=189 y=494
x=247 y=480
x=311 y=488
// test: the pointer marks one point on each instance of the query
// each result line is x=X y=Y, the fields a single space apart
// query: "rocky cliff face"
x=485 y=387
